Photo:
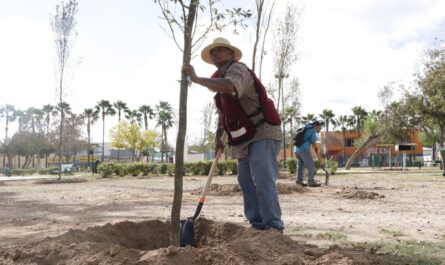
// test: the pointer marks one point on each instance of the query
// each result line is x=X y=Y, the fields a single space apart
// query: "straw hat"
x=220 y=42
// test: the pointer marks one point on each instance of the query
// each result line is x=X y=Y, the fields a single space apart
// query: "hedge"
x=110 y=169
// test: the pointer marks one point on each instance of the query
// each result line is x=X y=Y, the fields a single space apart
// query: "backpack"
x=299 y=136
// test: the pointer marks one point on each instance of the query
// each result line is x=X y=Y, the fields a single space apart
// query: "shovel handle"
x=202 y=198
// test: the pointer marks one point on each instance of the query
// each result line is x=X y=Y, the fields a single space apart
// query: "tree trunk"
x=182 y=129
x=103 y=137
x=354 y=156
x=62 y=118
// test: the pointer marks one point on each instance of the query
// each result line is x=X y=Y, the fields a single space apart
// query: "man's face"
x=317 y=128
x=221 y=55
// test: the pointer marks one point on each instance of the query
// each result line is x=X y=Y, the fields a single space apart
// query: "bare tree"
x=181 y=18
x=208 y=124
x=285 y=54
x=63 y=24
x=264 y=10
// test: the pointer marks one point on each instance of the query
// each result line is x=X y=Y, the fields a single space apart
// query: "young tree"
x=207 y=124
x=181 y=18
x=105 y=108
x=264 y=11
x=130 y=136
x=63 y=24
x=285 y=54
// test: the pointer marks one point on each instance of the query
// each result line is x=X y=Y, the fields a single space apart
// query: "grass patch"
x=410 y=252
x=393 y=233
x=332 y=235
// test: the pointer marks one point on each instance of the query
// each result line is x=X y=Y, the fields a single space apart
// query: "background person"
x=304 y=156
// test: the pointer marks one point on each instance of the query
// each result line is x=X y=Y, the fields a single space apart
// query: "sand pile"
x=147 y=243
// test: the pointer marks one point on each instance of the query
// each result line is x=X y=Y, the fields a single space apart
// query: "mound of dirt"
x=234 y=189
x=220 y=190
x=356 y=193
x=287 y=188
x=147 y=243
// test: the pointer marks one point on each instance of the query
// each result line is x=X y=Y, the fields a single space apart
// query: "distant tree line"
x=37 y=136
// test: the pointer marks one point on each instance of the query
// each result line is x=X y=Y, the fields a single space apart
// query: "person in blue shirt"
x=304 y=157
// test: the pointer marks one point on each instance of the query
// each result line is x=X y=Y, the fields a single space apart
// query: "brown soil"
x=125 y=221
x=147 y=242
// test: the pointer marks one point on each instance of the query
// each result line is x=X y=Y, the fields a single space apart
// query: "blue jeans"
x=257 y=174
x=305 y=160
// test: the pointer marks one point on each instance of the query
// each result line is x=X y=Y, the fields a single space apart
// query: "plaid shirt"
x=242 y=80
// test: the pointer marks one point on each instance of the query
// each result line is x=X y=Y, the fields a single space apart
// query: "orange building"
x=340 y=147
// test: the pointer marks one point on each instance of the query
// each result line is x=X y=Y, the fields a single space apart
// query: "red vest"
x=234 y=119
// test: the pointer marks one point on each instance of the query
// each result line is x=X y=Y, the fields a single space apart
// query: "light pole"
x=280 y=77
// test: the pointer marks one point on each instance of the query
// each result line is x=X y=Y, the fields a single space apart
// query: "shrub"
x=45 y=171
x=231 y=167
x=133 y=169
x=106 y=170
x=292 y=166
x=163 y=168
x=171 y=169
x=331 y=166
x=221 y=168
x=121 y=169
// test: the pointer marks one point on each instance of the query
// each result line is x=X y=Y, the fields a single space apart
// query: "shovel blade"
x=187 y=230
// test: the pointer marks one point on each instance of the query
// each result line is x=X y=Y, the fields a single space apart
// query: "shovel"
x=187 y=228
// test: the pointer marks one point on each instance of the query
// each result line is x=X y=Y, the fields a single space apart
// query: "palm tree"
x=105 y=108
x=306 y=119
x=34 y=116
x=63 y=108
x=20 y=116
x=48 y=111
x=343 y=121
x=120 y=106
x=164 y=114
x=148 y=113
x=90 y=116
x=8 y=112
x=134 y=116
x=328 y=116
x=360 y=115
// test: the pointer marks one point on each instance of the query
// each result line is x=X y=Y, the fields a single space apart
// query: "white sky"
x=348 y=49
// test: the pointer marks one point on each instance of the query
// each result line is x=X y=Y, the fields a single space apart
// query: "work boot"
x=315 y=184
x=302 y=184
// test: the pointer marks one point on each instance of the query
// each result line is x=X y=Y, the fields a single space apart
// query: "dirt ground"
x=126 y=220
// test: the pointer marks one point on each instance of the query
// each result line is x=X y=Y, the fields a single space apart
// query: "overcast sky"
x=347 y=51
